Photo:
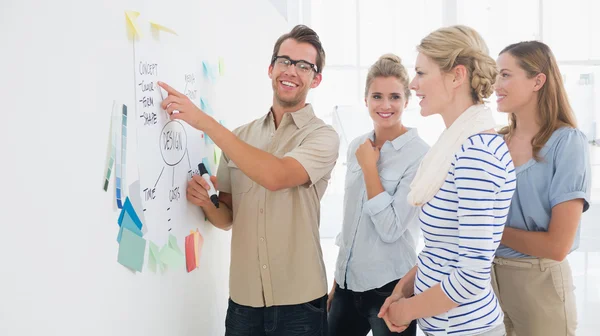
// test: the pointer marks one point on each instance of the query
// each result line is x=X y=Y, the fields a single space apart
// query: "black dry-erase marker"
x=211 y=192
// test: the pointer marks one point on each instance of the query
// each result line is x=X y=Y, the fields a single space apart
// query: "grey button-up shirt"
x=379 y=236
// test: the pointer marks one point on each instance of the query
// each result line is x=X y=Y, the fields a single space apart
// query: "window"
x=335 y=22
x=494 y=21
x=356 y=33
x=571 y=29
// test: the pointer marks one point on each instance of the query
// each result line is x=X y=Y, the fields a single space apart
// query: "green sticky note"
x=153 y=257
x=131 y=250
x=221 y=66
x=170 y=257
x=217 y=155
x=173 y=244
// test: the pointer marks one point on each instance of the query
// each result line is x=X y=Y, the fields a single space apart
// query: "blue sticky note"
x=208 y=71
x=128 y=224
x=204 y=106
x=128 y=208
x=205 y=70
x=208 y=140
x=205 y=161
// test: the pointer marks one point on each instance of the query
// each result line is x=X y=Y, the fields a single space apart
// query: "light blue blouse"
x=563 y=174
x=379 y=236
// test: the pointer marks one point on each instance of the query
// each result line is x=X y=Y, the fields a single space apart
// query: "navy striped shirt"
x=462 y=226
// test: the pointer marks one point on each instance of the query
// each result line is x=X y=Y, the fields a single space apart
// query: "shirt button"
x=264 y=266
x=261 y=210
x=262 y=239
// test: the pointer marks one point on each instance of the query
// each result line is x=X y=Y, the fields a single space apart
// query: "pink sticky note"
x=190 y=256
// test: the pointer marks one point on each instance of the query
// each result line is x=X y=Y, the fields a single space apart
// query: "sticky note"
x=158 y=26
x=208 y=140
x=171 y=254
x=217 y=154
x=153 y=257
x=170 y=257
x=128 y=208
x=135 y=198
x=193 y=247
x=221 y=66
x=191 y=262
x=198 y=242
x=131 y=250
x=205 y=106
x=206 y=164
x=128 y=224
x=131 y=22
x=195 y=242
x=205 y=69
x=173 y=244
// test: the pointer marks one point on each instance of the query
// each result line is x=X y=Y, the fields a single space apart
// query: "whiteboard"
x=63 y=63
x=168 y=151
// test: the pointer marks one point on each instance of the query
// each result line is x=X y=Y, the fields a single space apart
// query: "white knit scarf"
x=436 y=163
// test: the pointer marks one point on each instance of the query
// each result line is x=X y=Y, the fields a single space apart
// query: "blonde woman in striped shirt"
x=464 y=187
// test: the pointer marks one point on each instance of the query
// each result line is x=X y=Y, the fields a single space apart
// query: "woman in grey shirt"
x=379 y=235
x=531 y=276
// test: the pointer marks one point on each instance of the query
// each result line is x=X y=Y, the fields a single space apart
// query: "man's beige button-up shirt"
x=276 y=256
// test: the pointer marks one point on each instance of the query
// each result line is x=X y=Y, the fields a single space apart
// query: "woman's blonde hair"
x=462 y=45
x=554 y=110
x=388 y=65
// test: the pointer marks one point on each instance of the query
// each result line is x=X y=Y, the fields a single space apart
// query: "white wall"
x=62 y=63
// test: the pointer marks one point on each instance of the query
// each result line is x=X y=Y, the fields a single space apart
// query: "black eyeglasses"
x=284 y=62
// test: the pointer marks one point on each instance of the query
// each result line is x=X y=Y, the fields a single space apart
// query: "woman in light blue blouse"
x=380 y=231
x=531 y=276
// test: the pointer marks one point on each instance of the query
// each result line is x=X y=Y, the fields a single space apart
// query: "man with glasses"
x=271 y=178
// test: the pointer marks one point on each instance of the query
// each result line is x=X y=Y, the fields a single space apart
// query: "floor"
x=585 y=263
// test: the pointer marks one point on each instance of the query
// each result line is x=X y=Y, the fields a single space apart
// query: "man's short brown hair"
x=303 y=34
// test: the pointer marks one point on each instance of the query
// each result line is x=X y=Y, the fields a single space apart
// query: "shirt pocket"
x=353 y=174
x=240 y=183
x=390 y=179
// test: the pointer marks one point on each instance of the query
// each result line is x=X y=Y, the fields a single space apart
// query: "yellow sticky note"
x=198 y=242
x=161 y=27
x=131 y=20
